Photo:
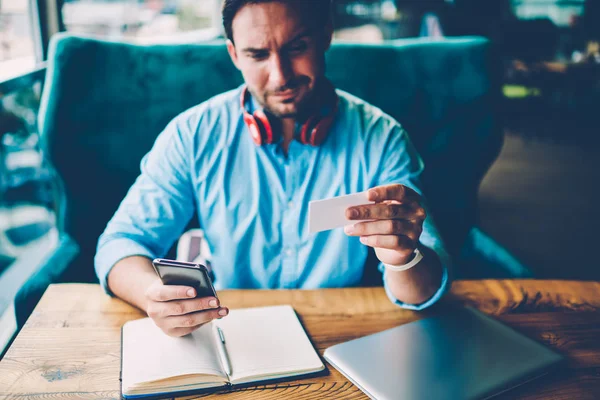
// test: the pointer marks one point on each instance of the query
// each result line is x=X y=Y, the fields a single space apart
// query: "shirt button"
x=291 y=204
x=289 y=252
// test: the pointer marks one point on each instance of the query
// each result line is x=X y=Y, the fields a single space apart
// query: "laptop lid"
x=463 y=354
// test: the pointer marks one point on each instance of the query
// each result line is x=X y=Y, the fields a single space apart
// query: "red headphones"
x=313 y=130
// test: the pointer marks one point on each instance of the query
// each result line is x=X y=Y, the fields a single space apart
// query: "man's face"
x=280 y=56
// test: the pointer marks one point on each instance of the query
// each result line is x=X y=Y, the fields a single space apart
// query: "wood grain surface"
x=70 y=346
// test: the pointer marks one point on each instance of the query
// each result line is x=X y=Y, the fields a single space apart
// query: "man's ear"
x=232 y=53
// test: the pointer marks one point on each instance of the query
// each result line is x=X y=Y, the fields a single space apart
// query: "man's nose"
x=281 y=71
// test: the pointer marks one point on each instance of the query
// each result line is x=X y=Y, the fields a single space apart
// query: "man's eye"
x=259 y=56
x=298 y=48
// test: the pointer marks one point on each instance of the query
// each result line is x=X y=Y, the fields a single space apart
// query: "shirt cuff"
x=114 y=251
x=418 y=307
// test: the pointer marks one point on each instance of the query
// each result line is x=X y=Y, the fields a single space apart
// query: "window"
x=152 y=21
x=561 y=13
x=17 y=45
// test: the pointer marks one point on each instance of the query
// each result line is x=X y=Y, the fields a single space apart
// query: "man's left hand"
x=396 y=222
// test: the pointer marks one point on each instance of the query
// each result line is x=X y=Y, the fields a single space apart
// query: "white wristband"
x=418 y=257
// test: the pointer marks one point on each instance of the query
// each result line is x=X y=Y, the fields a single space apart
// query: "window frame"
x=44 y=21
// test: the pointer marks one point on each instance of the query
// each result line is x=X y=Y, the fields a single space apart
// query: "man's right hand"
x=176 y=311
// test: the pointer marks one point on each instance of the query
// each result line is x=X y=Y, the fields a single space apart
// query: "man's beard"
x=301 y=106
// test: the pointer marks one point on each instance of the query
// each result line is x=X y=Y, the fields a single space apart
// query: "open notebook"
x=262 y=343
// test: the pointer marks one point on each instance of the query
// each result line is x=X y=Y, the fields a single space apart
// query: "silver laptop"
x=463 y=354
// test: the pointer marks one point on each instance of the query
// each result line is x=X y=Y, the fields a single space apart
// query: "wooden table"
x=70 y=346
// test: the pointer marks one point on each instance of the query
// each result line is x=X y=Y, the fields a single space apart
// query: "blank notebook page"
x=267 y=341
x=149 y=354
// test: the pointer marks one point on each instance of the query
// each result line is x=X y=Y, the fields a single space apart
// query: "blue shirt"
x=252 y=201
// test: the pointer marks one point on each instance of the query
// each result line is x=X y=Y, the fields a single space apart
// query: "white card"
x=331 y=213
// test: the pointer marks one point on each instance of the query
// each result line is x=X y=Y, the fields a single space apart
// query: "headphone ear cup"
x=307 y=130
x=315 y=130
x=265 y=125
x=319 y=132
x=255 y=129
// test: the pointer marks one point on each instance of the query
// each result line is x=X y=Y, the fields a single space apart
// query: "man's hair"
x=318 y=12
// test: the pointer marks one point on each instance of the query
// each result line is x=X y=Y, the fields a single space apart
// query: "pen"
x=223 y=352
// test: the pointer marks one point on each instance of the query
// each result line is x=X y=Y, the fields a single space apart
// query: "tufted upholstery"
x=104 y=103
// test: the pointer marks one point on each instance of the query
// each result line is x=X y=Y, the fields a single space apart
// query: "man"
x=249 y=161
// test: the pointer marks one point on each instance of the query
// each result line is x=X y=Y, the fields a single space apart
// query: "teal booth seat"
x=105 y=102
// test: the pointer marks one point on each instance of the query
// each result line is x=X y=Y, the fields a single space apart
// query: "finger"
x=391 y=242
x=392 y=192
x=386 y=211
x=195 y=318
x=383 y=227
x=160 y=292
x=178 y=332
x=180 y=307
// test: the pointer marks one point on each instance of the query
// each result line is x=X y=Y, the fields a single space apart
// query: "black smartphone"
x=173 y=272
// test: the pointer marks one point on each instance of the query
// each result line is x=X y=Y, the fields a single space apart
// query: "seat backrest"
x=105 y=102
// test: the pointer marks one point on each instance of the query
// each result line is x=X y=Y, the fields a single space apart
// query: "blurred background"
x=537 y=199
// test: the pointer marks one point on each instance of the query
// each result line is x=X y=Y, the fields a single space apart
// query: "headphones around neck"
x=313 y=131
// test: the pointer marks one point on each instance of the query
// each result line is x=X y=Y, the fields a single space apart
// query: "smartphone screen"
x=173 y=272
